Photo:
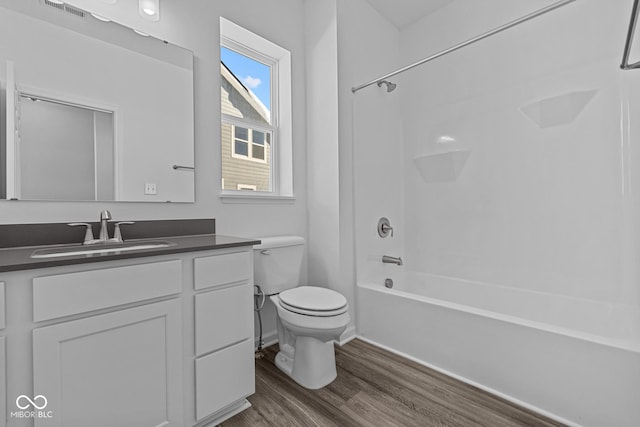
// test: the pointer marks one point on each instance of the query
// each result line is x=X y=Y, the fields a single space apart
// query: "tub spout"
x=391 y=260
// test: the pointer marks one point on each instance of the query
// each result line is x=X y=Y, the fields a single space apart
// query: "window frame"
x=244 y=42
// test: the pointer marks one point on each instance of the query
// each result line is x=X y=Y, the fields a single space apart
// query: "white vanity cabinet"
x=118 y=368
x=165 y=340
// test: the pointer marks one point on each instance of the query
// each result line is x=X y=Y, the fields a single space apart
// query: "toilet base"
x=312 y=363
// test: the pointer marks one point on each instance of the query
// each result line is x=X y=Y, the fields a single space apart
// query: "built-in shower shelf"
x=443 y=166
x=558 y=110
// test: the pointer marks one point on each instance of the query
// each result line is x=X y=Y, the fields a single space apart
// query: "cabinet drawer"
x=2 y=307
x=75 y=293
x=223 y=317
x=223 y=269
x=223 y=378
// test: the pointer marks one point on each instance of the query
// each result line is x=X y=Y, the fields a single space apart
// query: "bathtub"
x=574 y=360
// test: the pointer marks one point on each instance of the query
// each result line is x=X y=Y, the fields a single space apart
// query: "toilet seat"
x=313 y=301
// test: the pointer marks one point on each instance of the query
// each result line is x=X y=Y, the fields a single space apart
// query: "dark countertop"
x=19 y=258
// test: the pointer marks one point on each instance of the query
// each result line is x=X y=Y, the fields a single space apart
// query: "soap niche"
x=443 y=166
x=558 y=110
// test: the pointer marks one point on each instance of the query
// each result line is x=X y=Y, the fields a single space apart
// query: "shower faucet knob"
x=384 y=228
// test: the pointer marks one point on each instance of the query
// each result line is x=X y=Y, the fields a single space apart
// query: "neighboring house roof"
x=233 y=106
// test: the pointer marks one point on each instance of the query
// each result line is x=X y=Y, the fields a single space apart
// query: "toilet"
x=309 y=318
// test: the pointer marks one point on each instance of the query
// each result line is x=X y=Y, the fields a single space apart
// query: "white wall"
x=104 y=161
x=371 y=166
x=323 y=180
x=342 y=47
x=545 y=205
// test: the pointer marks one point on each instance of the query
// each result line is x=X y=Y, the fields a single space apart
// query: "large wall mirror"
x=91 y=110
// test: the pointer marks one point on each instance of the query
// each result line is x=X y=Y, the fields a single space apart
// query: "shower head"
x=390 y=86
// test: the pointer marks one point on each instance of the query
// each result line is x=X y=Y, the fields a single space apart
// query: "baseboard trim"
x=473 y=383
x=348 y=335
x=225 y=414
x=272 y=338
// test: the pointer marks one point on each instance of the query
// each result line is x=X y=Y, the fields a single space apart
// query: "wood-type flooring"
x=376 y=388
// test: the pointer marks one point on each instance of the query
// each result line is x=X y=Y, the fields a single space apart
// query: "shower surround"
x=509 y=170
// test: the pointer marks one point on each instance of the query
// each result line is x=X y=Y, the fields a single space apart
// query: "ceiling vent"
x=59 y=6
x=66 y=8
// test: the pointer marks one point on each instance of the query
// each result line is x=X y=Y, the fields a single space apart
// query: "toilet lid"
x=314 y=301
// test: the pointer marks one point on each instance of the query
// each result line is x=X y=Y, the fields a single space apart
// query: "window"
x=256 y=143
x=247 y=187
x=250 y=144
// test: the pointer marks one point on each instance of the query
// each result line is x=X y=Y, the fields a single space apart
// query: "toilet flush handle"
x=265 y=252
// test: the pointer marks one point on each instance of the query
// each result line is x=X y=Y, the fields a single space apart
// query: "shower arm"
x=627 y=45
x=497 y=30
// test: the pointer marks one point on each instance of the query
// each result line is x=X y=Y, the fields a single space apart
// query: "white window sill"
x=247 y=197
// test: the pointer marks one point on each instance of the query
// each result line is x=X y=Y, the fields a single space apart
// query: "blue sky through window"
x=253 y=74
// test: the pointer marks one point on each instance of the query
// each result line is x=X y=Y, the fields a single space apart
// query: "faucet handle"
x=384 y=228
x=88 y=235
x=117 y=234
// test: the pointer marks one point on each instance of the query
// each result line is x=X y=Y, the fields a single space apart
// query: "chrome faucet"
x=391 y=260
x=105 y=216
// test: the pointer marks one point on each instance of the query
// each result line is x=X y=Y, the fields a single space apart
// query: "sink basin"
x=99 y=248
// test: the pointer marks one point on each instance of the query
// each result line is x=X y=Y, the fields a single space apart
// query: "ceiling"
x=401 y=13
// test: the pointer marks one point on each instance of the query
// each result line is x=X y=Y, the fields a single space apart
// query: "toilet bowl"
x=306 y=335
x=309 y=318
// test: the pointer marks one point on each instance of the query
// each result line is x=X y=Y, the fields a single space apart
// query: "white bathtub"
x=575 y=360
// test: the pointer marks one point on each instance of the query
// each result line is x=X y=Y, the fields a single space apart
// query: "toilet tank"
x=277 y=263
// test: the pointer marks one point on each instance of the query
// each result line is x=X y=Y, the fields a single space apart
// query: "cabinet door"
x=2 y=307
x=117 y=369
x=3 y=383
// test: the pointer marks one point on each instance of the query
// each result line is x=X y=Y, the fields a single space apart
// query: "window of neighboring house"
x=256 y=142
x=250 y=144
x=247 y=187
